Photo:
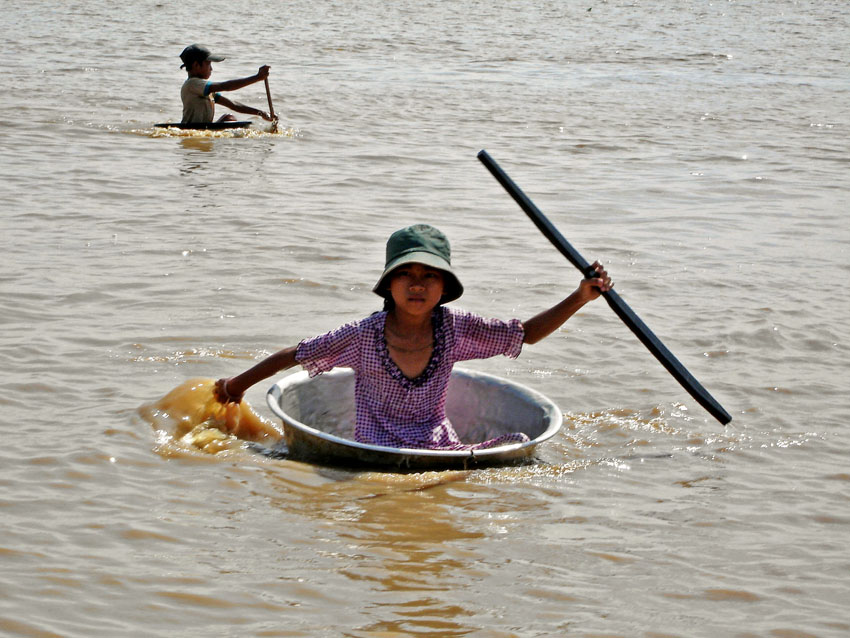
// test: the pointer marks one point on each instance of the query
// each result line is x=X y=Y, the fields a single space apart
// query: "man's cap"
x=198 y=53
x=422 y=244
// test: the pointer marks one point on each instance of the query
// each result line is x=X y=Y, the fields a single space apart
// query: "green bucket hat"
x=421 y=244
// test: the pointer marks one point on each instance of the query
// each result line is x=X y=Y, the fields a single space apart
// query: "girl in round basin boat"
x=403 y=356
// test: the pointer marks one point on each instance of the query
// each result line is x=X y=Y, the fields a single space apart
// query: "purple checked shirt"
x=393 y=410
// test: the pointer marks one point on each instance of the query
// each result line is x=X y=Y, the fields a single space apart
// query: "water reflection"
x=411 y=559
x=203 y=144
x=405 y=541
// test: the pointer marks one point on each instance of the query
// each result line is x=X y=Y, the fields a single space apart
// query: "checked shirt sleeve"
x=480 y=338
x=338 y=348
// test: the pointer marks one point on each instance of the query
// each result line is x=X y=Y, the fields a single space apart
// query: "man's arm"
x=241 y=108
x=233 y=85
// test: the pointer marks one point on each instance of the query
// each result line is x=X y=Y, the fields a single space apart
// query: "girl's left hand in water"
x=592 y=288
x=223 y=396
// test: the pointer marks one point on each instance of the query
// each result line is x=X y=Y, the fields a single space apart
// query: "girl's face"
x=416 y=288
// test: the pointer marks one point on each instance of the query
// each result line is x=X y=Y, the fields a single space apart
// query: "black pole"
x=647 y=337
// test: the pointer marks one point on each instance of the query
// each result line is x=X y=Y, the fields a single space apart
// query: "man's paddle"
x=619 y=306
x=271 y=107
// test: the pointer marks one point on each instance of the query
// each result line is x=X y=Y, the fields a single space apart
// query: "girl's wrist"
x=227 y=394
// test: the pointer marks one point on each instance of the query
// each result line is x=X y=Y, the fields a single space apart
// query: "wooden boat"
x=318 y=419
x=205 y=126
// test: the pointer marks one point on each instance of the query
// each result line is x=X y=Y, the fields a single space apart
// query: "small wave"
x=189 y=420
x=242 y=133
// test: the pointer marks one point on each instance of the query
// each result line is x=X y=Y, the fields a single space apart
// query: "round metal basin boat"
x=205 y=126
x=318 y=418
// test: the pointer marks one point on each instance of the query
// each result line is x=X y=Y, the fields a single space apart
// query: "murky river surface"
x=699 y=149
